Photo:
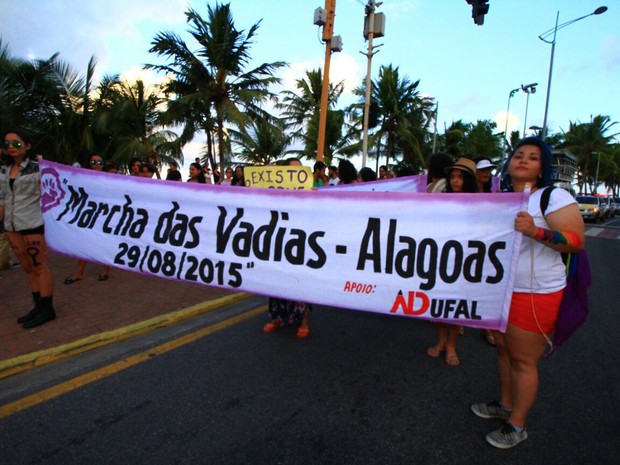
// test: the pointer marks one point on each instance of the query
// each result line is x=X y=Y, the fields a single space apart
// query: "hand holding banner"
x=448 y=257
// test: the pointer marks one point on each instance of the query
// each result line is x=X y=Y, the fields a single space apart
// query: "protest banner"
x=415 y=183
x=448 y=257
x=278 y=177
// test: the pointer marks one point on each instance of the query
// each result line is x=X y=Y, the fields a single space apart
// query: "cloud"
x=87 y=30
x=147 y=76
x=399 y=9
x=611 y=53
x=513 y=122
x=343 y=67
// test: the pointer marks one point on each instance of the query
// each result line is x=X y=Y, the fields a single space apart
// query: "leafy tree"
x=301 y=110
x=215 y=77
x=588 y=141
x=262 y=142
x=131 y=120
x=404 y=115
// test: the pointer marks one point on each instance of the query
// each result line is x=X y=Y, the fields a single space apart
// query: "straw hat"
x=463 y=164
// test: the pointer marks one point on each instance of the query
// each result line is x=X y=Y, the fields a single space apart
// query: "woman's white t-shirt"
x=540 y=269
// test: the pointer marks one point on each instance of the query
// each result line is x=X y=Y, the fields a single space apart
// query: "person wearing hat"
x=461 y=178
x=483 y=174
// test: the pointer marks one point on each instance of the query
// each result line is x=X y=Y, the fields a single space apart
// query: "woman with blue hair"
x=539 y=285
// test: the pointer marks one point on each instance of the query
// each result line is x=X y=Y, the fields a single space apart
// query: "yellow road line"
x=83 y=380
x=25 y=362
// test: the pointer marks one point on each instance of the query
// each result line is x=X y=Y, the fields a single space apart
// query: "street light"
x=545 y=38
x=528 y=89
x=537 y=130
x=510 y=95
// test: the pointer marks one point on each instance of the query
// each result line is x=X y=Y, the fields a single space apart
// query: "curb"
x=26 y=362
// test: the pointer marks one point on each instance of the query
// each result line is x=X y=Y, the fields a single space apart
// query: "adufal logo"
x=417 y=303
x=408 y=307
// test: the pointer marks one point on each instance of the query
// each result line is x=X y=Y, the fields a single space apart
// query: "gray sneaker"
x=491 y=410
x=506 y=437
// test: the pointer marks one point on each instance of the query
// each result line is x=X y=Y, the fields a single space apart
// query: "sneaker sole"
x=487 y=417
x=502 y=445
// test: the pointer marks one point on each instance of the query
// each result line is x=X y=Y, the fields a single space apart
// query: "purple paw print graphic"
x=52 y=192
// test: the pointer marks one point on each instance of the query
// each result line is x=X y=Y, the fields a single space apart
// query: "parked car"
x=604 y=207
x=590 y=207
x=612 y=207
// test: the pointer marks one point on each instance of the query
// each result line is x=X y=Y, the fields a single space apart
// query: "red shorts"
x=535 y=312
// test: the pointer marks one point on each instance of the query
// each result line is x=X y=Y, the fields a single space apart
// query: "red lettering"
x=408 y=306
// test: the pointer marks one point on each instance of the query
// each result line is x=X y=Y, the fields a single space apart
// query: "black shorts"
x=29 y=232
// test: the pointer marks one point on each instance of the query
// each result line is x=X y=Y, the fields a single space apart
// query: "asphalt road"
x=360 y=390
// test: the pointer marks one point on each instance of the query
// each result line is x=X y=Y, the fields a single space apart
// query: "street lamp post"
x=528 y=89
x=545 y=38
x=510 y=95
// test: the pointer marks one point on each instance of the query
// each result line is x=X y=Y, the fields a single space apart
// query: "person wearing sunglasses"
x=20 y=208
x=94 y=162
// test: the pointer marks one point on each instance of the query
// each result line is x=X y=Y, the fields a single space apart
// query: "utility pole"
x=435 y=133
x=369 y=33
x=328 y=32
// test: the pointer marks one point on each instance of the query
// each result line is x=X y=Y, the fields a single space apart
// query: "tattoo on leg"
x=33 y=252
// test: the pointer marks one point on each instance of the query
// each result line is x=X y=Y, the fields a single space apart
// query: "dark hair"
x=470 y=183
x=23 y=135
x=367 y=174
x=347 y=172
x=288 y=161
x=110 y=165
x=437 y=164
x=405 y=170
x=235 y=180
x=201 y=174
x=91 y=154
x=131 y=163
x=546 y=163
x=319 y=165
x=149 y=166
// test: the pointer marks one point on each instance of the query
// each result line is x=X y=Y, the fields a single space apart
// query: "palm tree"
x=262 y=142
x=131 y=120
x=9 y=92
x=481 y=140
x=215 y=77
x=301 y=107
x=589 y=141
x=404 y=115
x=50 y=100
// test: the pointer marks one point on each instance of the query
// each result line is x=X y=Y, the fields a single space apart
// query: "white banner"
x=442 y=257
x=416 y=183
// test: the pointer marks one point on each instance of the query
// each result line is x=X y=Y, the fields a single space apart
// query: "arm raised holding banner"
x=539 y=285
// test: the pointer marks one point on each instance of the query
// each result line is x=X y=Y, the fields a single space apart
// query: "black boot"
x=36 y=297
x=44 y=314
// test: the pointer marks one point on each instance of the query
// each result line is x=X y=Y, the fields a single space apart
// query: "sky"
x=468 y=69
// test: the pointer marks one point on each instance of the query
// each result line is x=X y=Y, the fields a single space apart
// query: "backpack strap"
x=544 y=199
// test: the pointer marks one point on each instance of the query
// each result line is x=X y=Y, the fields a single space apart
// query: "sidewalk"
x=91 y=313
